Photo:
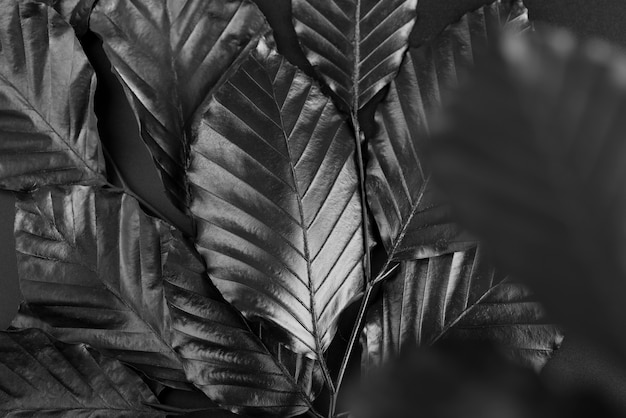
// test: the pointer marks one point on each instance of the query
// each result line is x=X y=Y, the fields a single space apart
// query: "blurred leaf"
x=355 y=45
x=411 y=218
x=43 y=377
x=534 y=158
x=48 y=127
x=456 y=297
x=274 y=184
x=168 y=55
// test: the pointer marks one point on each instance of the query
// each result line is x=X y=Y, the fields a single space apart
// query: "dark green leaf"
x=355 y=45
x=43 y=377
x=412 y=220
x=275 y=198
x=47 y=124
x=456 y=297
x=168 y=55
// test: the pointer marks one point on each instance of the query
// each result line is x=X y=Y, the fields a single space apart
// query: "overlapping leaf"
x=275 y=198
x=43 y=377
x=412 y=221
x=47 y=126
x=168 y=55
x=76 y=12
x=355 y=45
x=457 y=297
x=534 y=158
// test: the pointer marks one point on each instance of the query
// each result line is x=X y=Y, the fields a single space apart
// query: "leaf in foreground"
x=47 y=125
x=534 y=158
x=355 y=45
x=412 y=219
x=75 y=12
x=275 y=198
x=168 y=55
x=40 y=376
x=456 y=297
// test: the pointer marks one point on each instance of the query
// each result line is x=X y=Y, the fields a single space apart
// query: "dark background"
x=578 y=363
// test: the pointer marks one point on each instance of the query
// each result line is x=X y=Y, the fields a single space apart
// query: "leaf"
x=533 y=159
x=275 y=199
x=456 y=297
x=48 y=127
x=222 y=356
x=355 y=45
x=75 y=12
x=414 y=222
x=168 y=55
x=43 y=377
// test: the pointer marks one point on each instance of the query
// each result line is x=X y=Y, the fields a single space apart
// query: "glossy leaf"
x=40 y=376
x=412 y=219
x=275 y=199
x=168 y=55
x=76 y=12
x=534 y=159
x=222 y=356
x=355 y=45
x=47 y=125
x=456 y=297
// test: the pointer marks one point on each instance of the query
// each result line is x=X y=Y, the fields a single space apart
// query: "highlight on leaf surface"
x=47 y=124
x=275 y=198
x=94 y=268
x=40 y=376
x=534 y=159
x=356 y=46
x=168 y=56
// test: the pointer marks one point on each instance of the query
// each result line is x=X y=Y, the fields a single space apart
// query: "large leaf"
x=94 y=268
x=534 y=159
x=356 y=45
x=456 y=297
x=47 y=125
x=43 y=377
x=168 y=55
x=275 y=198
x=222 y=356
x=76 y=12
x=412 y=220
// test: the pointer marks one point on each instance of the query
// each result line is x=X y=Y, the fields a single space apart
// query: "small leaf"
x=412 y=220
x=356 y=45
x=275 y=198
x=456 y=297
x=49 y=133
x=168 y=55
x=43 y=377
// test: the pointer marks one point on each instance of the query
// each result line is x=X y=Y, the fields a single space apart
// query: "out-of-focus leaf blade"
x=456 y=297
x=534 y=159
x=47 y=125
x=222 y=356
x=411 y=218
x=275 y=198
x=40 y=376
x=168 y=55
x=355 y=45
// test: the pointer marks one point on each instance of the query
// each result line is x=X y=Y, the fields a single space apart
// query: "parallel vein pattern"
x=458 y=297
x=412 y=220
x=275 y=198
x=40 y=376
x=356 y=45
x=48 y=131
x=168 y=55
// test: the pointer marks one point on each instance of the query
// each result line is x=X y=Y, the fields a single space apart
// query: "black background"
x=577 y=363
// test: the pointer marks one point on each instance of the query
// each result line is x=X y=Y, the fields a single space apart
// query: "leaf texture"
x=276 y=200
x=47 y=125
x=534 y=160
x=222 y=356
x=414 y=222
x=40 y=376
x=168 y=55
x=356 y=45
x=456 y=297
x=75 y=12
